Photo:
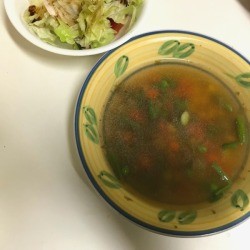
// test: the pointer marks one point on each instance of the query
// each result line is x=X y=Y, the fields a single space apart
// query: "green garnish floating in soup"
x=241 y=129
x=230 y=145
x=220 y=172
x=176 y=135
x=202 y=149
x=185 y=117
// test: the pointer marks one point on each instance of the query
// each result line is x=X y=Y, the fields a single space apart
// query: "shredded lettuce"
x=80 y=24
x=66 y=33
x=36 y=2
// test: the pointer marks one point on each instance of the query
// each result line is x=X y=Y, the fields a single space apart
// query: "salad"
x=81 y=24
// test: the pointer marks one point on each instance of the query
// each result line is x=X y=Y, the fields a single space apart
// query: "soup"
x=174 y=134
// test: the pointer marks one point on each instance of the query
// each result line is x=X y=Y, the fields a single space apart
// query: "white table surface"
x=46 y=201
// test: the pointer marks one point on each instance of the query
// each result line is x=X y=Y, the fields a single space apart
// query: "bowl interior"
x=149 y=49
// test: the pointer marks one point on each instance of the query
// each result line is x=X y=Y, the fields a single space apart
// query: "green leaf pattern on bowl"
x=240 y=199
x=90 y=116
x=244 y=79
x=168 y=47
x=184 y=50
x=166 y=215
x=121 y=65
x=90 y=129
x=177 y=49
x=109 y=180
x=186 y=217
x=91 y=133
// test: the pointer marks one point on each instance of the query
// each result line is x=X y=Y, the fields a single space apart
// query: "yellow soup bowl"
x=158 y=48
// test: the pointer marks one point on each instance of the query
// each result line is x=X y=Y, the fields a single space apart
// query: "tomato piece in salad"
x=115 y=26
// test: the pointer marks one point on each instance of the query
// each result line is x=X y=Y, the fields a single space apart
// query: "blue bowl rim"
x=93 y=181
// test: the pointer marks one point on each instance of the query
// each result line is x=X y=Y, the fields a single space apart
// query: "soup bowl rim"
x=98 y=187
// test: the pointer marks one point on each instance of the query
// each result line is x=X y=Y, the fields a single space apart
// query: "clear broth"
x=170 y=135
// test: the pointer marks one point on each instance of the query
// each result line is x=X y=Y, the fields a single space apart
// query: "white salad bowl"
x=15 y=10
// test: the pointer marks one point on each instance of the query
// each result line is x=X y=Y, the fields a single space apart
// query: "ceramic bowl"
x=147 y=49
x=16 y=8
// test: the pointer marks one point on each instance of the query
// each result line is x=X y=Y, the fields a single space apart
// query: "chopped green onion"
x=164 y=84
x=185 y=117
x=125 y=170
x=223 y=189
x=213 y=187
x=154 y=110
x=227 y=107
x=220 y=172
x=230 y=145
x=217 y=192
x=115 y=163
x=241 y=129
x=224 y=104
x=202 y=149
